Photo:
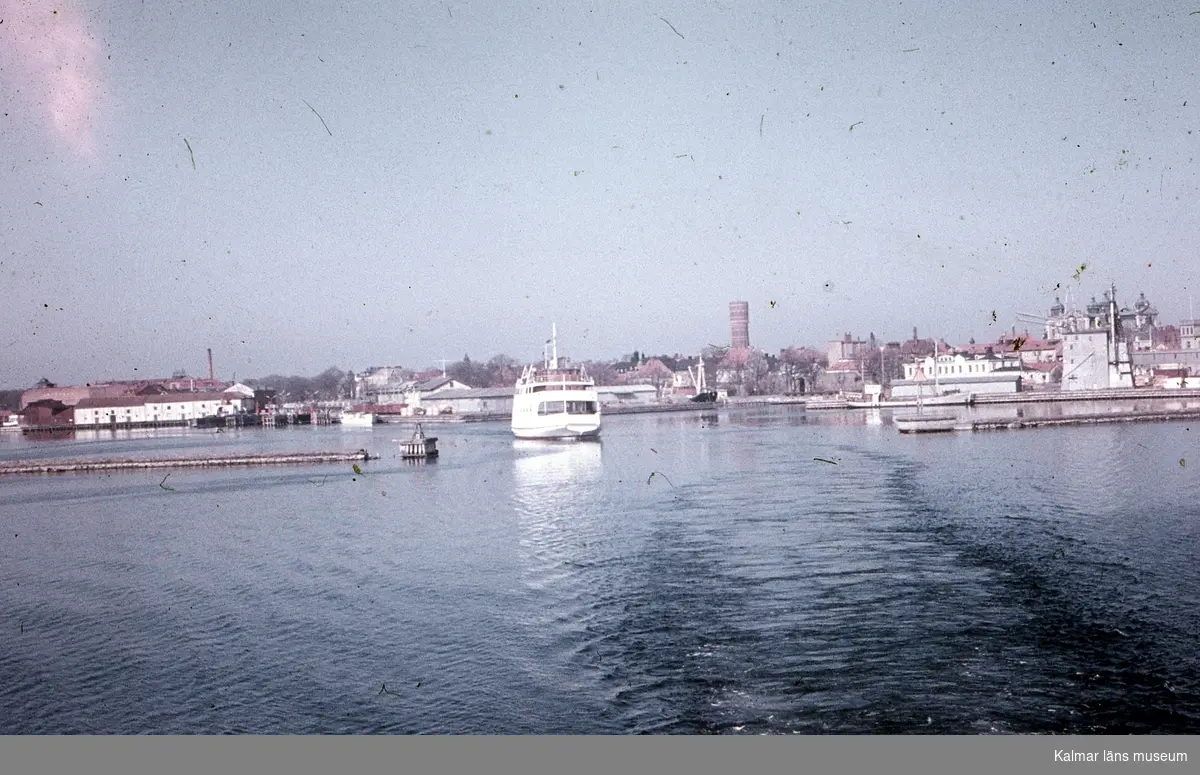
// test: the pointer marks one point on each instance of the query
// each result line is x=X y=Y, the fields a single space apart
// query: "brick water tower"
x=739 y=322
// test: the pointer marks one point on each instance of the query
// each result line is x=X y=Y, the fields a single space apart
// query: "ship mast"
x=1112 y=325
x=698 y=376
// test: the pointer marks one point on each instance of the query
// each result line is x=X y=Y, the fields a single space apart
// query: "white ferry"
x=555 y=401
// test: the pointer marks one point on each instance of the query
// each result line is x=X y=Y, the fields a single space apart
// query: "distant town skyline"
x=297 y=186
x=996 y=333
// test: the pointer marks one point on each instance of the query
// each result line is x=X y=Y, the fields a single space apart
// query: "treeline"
x=10 y=400
x=753 y=372
x=333 y=384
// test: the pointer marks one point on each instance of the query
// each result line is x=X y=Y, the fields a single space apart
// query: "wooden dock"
x=87 y=465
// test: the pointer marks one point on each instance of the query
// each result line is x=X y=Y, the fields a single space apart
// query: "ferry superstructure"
x=555 y=400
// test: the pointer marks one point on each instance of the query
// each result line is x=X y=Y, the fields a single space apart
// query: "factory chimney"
x=210 y=368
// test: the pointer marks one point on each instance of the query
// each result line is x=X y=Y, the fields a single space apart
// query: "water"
x=688 y=574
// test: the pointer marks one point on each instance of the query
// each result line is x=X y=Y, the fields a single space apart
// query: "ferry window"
x=581 y=407
x=552 y=407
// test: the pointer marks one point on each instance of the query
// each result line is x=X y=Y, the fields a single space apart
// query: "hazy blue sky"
x=469 y=172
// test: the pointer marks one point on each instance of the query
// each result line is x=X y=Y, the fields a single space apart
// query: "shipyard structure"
x=1096 y=345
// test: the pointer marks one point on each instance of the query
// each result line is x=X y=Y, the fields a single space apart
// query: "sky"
x=304 y=184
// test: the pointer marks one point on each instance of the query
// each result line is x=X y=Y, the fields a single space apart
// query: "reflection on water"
x=554 y=484
x=770 y=415
x=539 y=461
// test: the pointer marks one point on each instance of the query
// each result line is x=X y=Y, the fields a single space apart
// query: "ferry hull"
x=571 y=430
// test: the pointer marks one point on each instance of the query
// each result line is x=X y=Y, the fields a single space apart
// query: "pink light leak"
x=48 y=57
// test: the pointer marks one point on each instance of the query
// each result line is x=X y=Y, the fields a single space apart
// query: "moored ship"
x=703 y=394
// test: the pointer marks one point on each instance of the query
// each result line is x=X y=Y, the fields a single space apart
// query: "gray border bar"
x=691 y=755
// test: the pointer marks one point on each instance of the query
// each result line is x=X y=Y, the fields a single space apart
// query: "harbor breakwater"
x=86 y=465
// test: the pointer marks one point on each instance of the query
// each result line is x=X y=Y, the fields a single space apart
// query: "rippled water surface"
x=687 y=574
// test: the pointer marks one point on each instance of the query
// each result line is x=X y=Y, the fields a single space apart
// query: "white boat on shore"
x=359 y=419
x=555 y=400
x=928 y=423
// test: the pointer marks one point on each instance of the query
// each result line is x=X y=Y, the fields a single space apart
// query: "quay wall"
x=1083 y=419
x=1087 y=395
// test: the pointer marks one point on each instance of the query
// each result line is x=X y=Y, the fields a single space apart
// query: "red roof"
x=165 y=398
x=90 y=403
x=977 y=349
x=185 y=398
x=1005 y=347
x=1030 y=345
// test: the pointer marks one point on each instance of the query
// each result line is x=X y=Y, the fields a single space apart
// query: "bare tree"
x=502 y=371
x=603 y=373
x=755 y=371
x=327 y=385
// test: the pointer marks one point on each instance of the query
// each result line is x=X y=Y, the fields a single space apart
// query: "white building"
x=410 y=392
x=946 y=365
x=991 y=383
x=390 y=394
x=378 y=383
x=1189 y=335
x=1092 y=362
x=1033 y=374
x=416 y=393
x=627 y=395
x=845 y=349
x=165 y=408
x=469 y=401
